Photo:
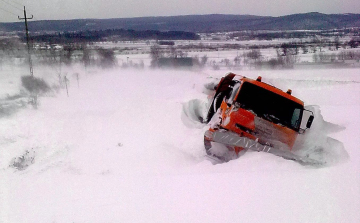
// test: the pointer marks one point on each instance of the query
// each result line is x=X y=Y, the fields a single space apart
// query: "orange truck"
x=250 y=114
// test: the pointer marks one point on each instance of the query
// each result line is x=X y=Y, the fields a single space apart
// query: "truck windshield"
x=270 y=106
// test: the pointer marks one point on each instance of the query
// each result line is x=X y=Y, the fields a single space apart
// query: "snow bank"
x=194 y=113
x=316 y=144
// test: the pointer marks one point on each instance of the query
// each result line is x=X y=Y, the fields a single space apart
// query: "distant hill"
x=196 y=23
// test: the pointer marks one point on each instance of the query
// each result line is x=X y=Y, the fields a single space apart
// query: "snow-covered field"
x=119 y=149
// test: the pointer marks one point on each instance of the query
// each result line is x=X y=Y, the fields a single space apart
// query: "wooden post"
x=77 y=79
x=28 y=39
x=66 y=85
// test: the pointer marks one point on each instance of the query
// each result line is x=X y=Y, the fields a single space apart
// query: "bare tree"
x=106 y=58
x=86 y=58
x=254 y=54
x=305 y=49
x=155 y=54
x=315 y=58
x=67 y=53
x=237 y=61
x=204 y=59
x=337 y=43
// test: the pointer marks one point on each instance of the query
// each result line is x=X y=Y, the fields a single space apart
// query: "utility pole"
x=28 y=40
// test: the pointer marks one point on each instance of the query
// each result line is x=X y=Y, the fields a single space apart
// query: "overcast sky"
x=75 y=9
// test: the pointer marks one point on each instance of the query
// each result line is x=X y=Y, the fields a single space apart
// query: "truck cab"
x=256 y=111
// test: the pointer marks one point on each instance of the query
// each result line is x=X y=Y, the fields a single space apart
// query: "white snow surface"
x=119 y=149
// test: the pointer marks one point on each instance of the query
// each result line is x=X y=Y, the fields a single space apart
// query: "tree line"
x=114 y=35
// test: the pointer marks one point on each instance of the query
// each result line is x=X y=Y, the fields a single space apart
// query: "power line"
x=8 y=11
x=11 y=5
x=17 y=3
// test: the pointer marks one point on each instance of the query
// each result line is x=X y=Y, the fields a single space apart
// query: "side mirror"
x=310 y=121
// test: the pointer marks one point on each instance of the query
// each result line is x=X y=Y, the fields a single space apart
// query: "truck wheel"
x=217 y=101
x=215 y=105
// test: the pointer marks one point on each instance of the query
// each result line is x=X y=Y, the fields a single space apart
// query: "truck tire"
x=215 y=105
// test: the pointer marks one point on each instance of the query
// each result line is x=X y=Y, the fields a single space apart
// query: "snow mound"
x=194 y=113
x=316 y=144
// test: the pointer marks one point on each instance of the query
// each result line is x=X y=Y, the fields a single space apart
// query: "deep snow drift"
x=313 y=144
x=119 y=149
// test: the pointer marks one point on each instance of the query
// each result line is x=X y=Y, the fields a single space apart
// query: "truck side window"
x=295 y=119
x=233 y=93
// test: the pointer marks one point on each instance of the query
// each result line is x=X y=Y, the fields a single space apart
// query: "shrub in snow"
x=34 y=85
x=275 y=62
x=24 y=161
x=216 y=67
